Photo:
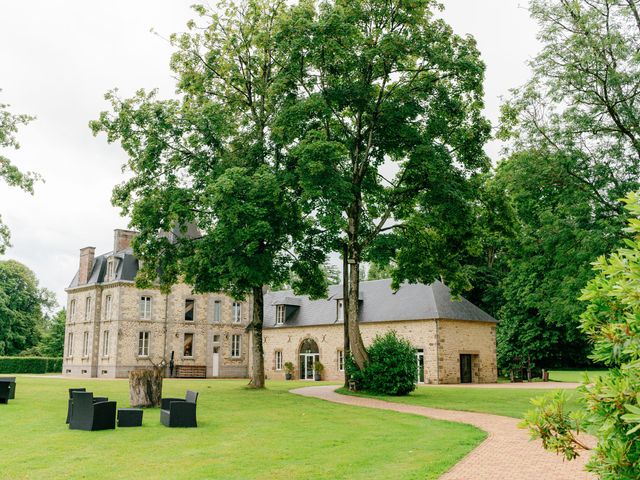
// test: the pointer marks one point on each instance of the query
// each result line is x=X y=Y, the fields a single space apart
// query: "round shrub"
x=392 y=367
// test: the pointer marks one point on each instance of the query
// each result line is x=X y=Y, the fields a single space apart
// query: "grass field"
x=575 y=375
x=242 y=434
x=510 y=402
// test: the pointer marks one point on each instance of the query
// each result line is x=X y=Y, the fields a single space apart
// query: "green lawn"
x=510 y=402
x=242 y=434
x=575 y=375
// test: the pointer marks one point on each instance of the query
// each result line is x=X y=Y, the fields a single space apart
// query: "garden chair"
x=70 y=404
x=179 y=412
x=90 y=415
x=5 y=392
x=12 y=386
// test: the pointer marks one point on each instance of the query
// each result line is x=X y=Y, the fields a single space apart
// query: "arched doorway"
x=309 y=354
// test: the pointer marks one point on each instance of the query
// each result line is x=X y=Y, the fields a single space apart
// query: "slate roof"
x=126 y=269
x=379 y=304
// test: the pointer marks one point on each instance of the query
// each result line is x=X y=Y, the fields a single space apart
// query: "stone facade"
x=441 y=341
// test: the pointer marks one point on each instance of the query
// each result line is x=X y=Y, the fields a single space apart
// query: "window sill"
x=85 y=357
x=142 y=356
x=105 y=357
x=188 y=357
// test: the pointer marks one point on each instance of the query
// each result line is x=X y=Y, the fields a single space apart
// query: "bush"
x=391 y=370
x=30 y=365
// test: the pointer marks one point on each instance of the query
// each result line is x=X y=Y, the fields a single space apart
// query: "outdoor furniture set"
x=86 y=412
x=7 y=389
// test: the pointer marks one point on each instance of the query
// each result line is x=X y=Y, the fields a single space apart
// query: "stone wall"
x=167 y=327
x=455 y=337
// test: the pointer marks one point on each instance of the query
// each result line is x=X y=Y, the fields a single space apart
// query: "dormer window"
x=111 y=269
x=340 y=312
x=280 y=314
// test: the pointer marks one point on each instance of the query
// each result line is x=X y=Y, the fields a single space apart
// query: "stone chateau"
x=113 y=327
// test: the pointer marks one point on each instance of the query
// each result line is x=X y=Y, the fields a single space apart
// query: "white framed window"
x=107 y=307
x=85 y=344
x=111 y=269
x=340 y=360
x=217 y=311
x=340 y=310
x=145 y=308
x=280 y=311
x=236 y=346
x=278 y=359
x=188 y=345
x=87 y=308
x=143 y=344
x=72 y=308
x=105 y=343
x=237 y=312
x=70 y=345
x=189 y=309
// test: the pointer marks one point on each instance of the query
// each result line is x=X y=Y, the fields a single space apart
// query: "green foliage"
x=9 y=124
x=573 y=135
x=611 y=403
x=391 y=369
x=23 y=308
x=332 y=274
x=52 y=343
x=379 y=272
x=30 y=365
x=289 y=367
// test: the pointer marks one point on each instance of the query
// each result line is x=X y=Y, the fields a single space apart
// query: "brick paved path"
x=506 y=454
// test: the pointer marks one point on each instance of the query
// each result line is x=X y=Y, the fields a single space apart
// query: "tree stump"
x=145 y=387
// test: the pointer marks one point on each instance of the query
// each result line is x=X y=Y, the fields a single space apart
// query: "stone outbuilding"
x=455 y=341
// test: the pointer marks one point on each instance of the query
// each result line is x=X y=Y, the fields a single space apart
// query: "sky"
x=59 y=57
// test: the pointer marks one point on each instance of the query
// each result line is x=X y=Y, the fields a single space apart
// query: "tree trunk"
x=145 y=387
x=257 y=365
x=358 y=351
x=345 y=315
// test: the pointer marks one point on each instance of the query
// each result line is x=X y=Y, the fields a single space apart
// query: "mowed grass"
x=242 y=434
x=509 y=402
x=575 y=375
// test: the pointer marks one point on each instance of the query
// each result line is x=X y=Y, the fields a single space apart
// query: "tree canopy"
x=9 y=124
x=572 y=152
x=208 y=159
x=383 y=131
x=23 y=308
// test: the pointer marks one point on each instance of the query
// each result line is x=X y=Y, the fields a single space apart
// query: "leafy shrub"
x=611 y=407
x=30 y=365
x=391 y=370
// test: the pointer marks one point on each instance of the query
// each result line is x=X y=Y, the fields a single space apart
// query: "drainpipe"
x=166 y=322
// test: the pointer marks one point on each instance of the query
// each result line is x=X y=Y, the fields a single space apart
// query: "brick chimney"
x=87 y=255
x=122 y=239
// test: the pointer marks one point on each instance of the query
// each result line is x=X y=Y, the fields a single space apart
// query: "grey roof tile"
x=379 y=304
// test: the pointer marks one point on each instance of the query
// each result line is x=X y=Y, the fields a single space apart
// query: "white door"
x=215 y=370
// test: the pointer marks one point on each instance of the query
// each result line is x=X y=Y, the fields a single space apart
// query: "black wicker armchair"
x=89 y=415
x=5 y=392
x=70 y=404
x=12 y=386
x=179 y=412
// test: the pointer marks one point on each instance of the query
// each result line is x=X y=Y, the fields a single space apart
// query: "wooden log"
x=145 y=387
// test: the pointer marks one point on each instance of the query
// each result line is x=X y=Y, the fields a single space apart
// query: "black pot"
x=318 y=377
x=288 y=376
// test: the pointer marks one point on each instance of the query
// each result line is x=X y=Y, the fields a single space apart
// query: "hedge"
x=30 y=365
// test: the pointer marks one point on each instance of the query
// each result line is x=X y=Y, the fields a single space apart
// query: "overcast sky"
x=59 y=57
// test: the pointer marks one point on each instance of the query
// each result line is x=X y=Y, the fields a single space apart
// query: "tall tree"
x=9 y=124
x=382 y=127
x=23 y=308
x=573 y=133
x=209 y=159
x=52 y=343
